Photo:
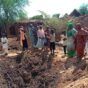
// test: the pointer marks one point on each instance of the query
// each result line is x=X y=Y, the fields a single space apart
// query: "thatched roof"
x=75 y=13
x=30 y=21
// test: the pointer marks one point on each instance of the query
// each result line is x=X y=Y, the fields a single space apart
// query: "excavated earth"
x=39 y=69
x=30 y=69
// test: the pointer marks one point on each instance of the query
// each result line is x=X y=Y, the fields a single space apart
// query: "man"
x=41 y=38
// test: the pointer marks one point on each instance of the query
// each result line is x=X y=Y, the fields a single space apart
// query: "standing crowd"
x=75 y=42
x=43 y=38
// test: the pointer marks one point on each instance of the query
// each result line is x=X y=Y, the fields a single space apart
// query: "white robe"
x=4 y=42
x=86 y=47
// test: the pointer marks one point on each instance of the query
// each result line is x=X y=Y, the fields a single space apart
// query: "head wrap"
x=78 y=26
x=70 y=25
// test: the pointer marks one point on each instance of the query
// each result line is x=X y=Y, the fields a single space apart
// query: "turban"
x=70 y=25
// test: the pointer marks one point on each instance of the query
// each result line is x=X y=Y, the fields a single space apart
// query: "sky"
x=53 y=6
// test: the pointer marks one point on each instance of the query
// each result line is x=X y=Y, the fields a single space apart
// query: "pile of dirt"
x=83 y=20
x=80 y=83
x=71 y=73
x=38 y=69
x=31 y=70
x=13 y=43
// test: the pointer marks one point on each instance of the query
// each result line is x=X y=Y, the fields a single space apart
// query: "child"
x=65 y=45
x=4 y=42
x=47 y=39
x=23 y=39
x=52 y=41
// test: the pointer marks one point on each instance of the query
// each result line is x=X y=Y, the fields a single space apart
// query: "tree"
x=11 y=11
x=37 y=17
x=59 y=24
x=65 y=15
x=45 y=15
x=56 y=15
x=83 y=9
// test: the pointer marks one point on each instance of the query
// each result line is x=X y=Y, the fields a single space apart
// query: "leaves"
x=38 y=17
x=45 y=15
x=59 y=24
x=83 y=9
x=12 y=10
x=56 y=15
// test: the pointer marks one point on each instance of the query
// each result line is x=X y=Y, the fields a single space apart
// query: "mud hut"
x=13 y=31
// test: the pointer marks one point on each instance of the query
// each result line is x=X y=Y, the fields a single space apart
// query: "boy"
x=52 y=41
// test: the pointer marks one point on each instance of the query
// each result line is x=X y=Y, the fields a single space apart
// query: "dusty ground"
x=50 y=74
x=76 y=76
x=63 y=78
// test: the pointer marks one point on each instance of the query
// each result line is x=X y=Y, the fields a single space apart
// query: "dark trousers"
x=52 y=47
x=65 y=49
x=25 y=44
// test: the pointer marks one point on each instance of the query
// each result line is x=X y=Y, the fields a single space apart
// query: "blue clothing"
x=33 y=35
x=40 y=43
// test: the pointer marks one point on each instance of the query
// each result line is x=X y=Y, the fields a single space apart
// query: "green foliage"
x=83 y=9
x=45 y=15
x=22 y=15
x=65 y=15
x=11 y=10
x=37 y=17
x=56 y=15
x=58 y=24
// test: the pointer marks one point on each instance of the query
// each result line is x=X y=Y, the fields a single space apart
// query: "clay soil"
x=38 y=69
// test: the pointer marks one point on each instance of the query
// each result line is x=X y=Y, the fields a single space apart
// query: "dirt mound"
x=83 y=20
x=38 y=69
x=13 y=43
x=32 y=70
x=80 y=83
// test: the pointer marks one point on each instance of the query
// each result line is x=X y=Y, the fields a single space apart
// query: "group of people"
x=76 y=41
x=45 y=39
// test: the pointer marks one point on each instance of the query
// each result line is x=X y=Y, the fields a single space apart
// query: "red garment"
x=80 y=45
x=80 y=40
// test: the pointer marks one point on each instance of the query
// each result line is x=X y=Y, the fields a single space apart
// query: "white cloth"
x=52 y=37
x=40 y=43
x=41 y=33
x=64 y=42
x=70 y=43
x=4 y=42
x=86 y=47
